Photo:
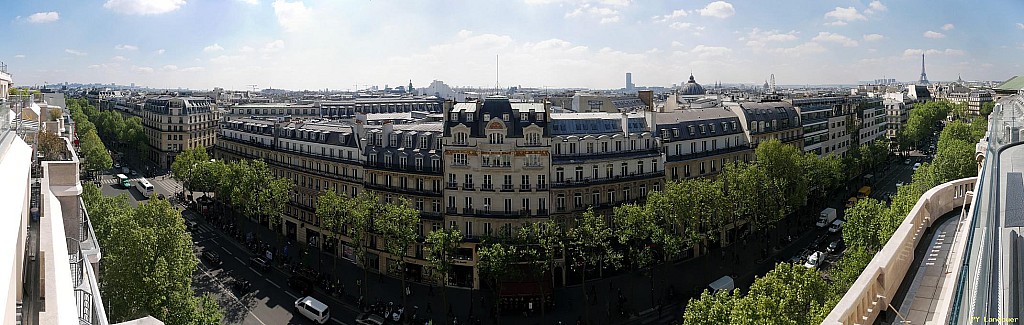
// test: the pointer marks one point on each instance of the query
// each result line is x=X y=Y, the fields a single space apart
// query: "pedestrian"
x=408 y=291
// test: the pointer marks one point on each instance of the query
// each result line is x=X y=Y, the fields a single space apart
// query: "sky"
x=349 y=44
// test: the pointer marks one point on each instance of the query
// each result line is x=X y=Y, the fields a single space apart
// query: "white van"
x=313 y=309
x=724 y=283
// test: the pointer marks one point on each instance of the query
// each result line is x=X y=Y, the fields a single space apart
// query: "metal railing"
x=76 y=260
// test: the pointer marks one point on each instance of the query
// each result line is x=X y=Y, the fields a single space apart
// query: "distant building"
x=438 y=89
x=924 y=76
x=629 y=82
x=825 y=122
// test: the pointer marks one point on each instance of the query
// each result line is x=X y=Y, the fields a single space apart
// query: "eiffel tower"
x=924 y=77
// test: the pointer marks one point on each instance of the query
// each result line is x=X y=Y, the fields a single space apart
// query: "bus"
x=123 y=180
x=144 y=186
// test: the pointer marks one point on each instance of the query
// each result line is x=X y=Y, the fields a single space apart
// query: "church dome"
x=691 y=87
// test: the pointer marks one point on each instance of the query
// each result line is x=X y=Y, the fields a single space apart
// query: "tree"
x=589 y=244
x=710 y=308
x=397 y=224
x=986 y=108
x=360 y=222
x=51 y=146
x=96 y=155
x=865 y=223
x=187 y=163
x=786 y=295
x=258 y=193
x=496 y=264
x=443 y=245
x=539 y=245
x=148 y=261
x=330 y=209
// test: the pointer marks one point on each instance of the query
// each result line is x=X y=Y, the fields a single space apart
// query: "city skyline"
x=537 y=43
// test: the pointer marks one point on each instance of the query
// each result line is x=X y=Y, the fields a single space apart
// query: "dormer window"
x=702 y=129
x=487 y=117
x=504 y=116
x=690 y=127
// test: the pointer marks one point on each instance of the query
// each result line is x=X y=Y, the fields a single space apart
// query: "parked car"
x=212 y=258
x=836 y=226
x=190 y=225
x=814 y=260
x=301 y=284
x=836 y=246
x=906 y=162
x=313 y=309
x=917 y=165
x=241 y=286
x=259 y=263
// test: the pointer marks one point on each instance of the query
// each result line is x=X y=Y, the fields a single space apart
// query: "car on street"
x=301 y=284
x=190 y=225
x=241 y=286
x=313 y=309
x=836 y=226
x=906 y=162
x=916 y=166
x=259 y=263
x=836 y=246
x=212 y=258
x=117 y=165
x=814 y=260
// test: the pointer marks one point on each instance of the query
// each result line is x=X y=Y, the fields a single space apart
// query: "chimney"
x=625 y=124
x=647 y=96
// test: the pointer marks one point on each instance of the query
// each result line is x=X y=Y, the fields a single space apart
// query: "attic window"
x=691 y=129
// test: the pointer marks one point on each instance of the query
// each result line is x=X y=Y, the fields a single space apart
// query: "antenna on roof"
x=497 y=88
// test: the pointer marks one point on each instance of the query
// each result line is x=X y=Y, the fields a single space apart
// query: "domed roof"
x=691 y=87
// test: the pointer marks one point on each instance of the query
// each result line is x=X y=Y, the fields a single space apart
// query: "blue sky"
x=317 y=44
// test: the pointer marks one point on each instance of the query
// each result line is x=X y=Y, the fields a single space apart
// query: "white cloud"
x=680 y=25
x=917 y=52
x=875 y=6
x=274 y=46
x=948 y=27
x=710 y=52
x=252 y=2
x=934 y=35
x=143 y=7
x=835 y=38
x=617 y=3
x=192 y=69
x=603 y=14
x=75 y=52
x=44 y=17
x=19 y=56
x=169 y=67
x=802 y=49
x=873 y=37
x=246 y=49
x=678 y=13
x=125 y=47
x=119 y=58
x=213 y=48
x=1020 y=25
x=842 y=16
x=227 y=58
x=160 y=52
x=718 y=9
x=758 y=38
x=142 y=69
x=292 y=16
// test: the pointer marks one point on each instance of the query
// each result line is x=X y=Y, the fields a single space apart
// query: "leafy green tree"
x=496 y=264
x=330 y=209
x=96 y=155
x=589 y=245
x=187 y=163
x=786 y=295
x=741 y=193
x=827 y=172
x=208 y=175
x=259 y=194
x=986 y=108
x=397 y=224
x=443 y=245
x=866 y=222
x=785 y=185
x=539 y=245
x=360 y=222
x=710 y=308
x=954 y=159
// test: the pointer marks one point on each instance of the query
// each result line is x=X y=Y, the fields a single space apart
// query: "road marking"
x=238 y=259
x=290 y=294
x=254 y=271
x=232 y=295
x=335 y=319
x=272 y=283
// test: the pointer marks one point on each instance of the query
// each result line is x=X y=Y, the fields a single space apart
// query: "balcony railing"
x=468 y=186
x=486 y=187
x=524 y=187
x=87 y=298
x=633 y=154
x=502 y=213
x=620 y=178
x=506 y=187
x=709 y=153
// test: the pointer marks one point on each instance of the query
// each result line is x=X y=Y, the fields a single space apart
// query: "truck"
x=814 y=261
x=864 y=192
x=724 y=283
x=827 y=216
